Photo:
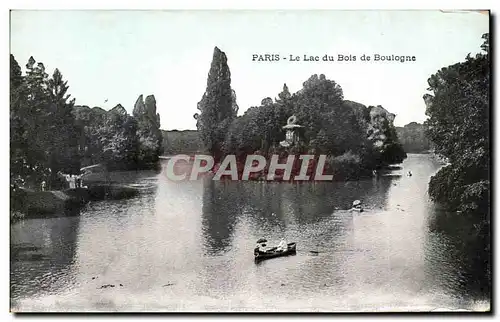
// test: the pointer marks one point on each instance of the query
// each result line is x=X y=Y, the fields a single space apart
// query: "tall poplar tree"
x=218 y=106
x=148 y=130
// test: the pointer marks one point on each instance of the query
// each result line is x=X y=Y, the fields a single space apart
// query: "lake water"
x=188 y=246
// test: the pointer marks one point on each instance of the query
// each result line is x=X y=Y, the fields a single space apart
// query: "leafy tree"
x=89 y=123
x=43 y=136
x=357 y=139
x=317 y=98
x=63 y=150
x=30 y=120
x=148 y=130
x=16 y=78
x=139 y=107
x=175 y=142
x=458 y=111
x=382 y=134
x=50 y=134
x=34 y=112
x=267 y=101
x=320 y=107
x=218 y=105
x=412 y=137
x=118 y=138
x=392 y=150
x=18 y=135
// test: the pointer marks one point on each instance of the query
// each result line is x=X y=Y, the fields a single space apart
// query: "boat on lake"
x=356 y=206
x=273 y=252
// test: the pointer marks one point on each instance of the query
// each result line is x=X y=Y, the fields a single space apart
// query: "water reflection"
x=315 y=215
x=280 y=206
x=42 y=255
x=189 y=246
x=221 y=207
x=460 y=247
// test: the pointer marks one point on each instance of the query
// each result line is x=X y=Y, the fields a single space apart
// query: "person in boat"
x=282 y=246
x=356 y=206
x=78 y=181
x=262 y=248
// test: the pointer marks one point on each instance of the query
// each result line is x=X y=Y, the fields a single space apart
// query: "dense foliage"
x=117 y=139
x=356 y=138
x=180 y=142
x=43 y=135
x=148 y=130
x=218 y=105
x=458 y=126
x=49 y=134
x=412 y=137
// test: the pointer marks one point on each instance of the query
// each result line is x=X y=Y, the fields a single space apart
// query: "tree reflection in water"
x=273 y=206
x=461 y=245
x=49 y=246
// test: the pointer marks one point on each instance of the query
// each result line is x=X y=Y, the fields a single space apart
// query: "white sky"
x=118 y=55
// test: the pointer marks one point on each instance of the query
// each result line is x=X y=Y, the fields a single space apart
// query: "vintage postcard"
x=250 y=161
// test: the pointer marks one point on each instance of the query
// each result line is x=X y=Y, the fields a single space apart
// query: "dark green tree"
x=218 y=106
x=89 y=123
x=139 y=107
x=412 y=137
x=43 y=135
x=63 y=145
x=35 y=119
x=148 y=130
x=458 y=111
x=266 y=101
x=318 y=97
x=458 y=126
x=119 y=140
x=356 y=139
x=392 y=151
x=18 y=135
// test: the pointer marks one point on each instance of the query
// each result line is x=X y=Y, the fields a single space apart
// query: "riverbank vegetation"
x=181 y=142
x=50 y=134
x=411 y=136
x=356 y=139
x=458 y=127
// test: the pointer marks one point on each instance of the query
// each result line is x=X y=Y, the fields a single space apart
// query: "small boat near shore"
x=356 y=206
x=273 y=253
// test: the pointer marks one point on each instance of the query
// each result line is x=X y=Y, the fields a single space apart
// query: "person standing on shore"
x=71 y=181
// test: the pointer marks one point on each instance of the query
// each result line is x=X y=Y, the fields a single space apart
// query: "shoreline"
x=65 y=203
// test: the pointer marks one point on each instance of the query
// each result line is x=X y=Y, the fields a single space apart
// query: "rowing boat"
x=272 y=253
